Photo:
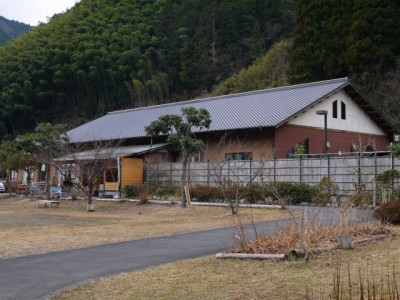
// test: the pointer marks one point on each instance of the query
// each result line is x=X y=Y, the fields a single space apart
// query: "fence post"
x=170 y=173
x=300 y=159
x=274 y=169
x=391 y=161
x=251 y=169
x=329 y=167
x=375 y=171
x=392 y=167
x=208 y=172
x=359 y=168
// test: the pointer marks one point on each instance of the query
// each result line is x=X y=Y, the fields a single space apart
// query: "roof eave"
x=327 y=95
x=370 y=109
x=361 y=99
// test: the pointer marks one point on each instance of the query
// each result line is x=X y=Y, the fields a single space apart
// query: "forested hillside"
x=354 y=38
x=11 y=29
x=266 y=72
x=103 y=55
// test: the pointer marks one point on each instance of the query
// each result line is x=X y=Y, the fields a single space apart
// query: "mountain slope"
x=266 y=72
x=103 y=55
x=11 y=29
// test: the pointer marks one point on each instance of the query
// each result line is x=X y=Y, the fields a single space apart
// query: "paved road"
x=37 y=276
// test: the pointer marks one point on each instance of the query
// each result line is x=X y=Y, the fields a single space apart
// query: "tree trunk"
x=183 y=180
x=90 y=193
x=47 y=181
x=28 y=180
x=234 y=208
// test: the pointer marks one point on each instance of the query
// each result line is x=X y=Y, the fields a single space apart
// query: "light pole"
x=325 y=114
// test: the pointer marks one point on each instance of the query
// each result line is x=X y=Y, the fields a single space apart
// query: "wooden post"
x=187 y=194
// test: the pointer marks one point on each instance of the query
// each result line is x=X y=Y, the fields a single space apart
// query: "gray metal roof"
x=264 y=108
x=115 y=152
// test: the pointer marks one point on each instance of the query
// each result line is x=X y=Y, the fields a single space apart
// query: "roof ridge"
x=185 y=102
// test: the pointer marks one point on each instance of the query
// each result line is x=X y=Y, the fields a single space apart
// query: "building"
x=266 y=123
x=330 y=116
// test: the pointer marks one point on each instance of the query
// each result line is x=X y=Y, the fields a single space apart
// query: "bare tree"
x=363 y=147
x=234 y=177
x=91 y=161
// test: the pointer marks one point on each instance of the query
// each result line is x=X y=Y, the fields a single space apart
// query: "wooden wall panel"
x=111 y=186
x=131 y=171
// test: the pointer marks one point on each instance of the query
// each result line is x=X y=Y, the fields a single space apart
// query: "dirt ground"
x=26 y=229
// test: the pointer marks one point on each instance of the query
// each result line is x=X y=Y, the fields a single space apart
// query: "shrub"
x=131 y=191
x=278 y=190
x=389 y=212
x=303 y=193
x=254 y=192
x=325 y=190
x=166 y=191
x=292 y=192
x=361 y=197
x=231 y=190
x=388 y=176
x=205 y=193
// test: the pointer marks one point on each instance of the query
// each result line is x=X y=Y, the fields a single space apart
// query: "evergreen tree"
x=373 y=44
x=319 y=40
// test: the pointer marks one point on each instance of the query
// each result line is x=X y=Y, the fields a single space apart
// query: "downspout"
x=118 y=196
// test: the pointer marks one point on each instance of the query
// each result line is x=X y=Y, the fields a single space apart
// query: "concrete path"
x=37 y=276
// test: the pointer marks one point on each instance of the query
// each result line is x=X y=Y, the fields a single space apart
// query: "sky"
x=33 y=11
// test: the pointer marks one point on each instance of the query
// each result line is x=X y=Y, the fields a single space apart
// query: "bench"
x=57 y=191
x=47 y=203
x=34 y=190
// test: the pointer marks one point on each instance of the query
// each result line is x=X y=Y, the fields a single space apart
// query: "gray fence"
x=349 y=173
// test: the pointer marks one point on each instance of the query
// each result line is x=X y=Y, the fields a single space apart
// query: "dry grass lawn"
x=26 y=229
x=210 y=278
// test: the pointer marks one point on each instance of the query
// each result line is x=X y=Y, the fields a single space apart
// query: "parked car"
x=3 y=186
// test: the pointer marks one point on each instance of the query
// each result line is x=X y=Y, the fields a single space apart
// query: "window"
x=112 y=175
x=290 y=153
x=14 y=175
x=299 y=149
x=239 y=156
x=68 y=174
x=343 y=110
x=334 y=109
x=369 y=149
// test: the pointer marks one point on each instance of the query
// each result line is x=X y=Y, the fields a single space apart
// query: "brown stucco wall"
x=258 y=141
x=268 y=143
x=161 y=156
x=288 y=135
